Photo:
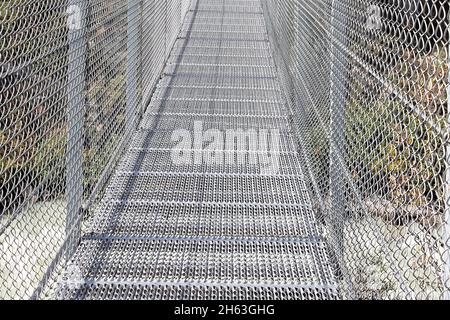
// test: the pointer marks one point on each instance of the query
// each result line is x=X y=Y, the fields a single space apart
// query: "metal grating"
x=211 y=229
x=289 y=269
x=196 y=220
x=213 y=291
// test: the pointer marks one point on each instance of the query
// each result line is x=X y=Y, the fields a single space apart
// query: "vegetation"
x=395 y=131
x=32 y=117
x=33 y=126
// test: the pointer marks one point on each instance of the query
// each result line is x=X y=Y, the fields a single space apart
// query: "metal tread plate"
x=226 y=36
x=182 y=48
x=249 y=20
x=192 y=291
x=220 y=70
x=225 y=28
x=243 y=262
x=222 y=44
x=207 y=188
x=218 y=107
x=217 y=13
x=221 y=60
x=221 y=3
x=227 y=8
x=207 y=82
x=161 y=160
x=172 y=91
x=245 y=221
x=224 y=11
x=239 y=264
x=149 y=140
x=160 y=121
x=261 y=60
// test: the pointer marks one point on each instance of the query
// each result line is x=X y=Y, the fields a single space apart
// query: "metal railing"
x=367 y=84
x=75 y=78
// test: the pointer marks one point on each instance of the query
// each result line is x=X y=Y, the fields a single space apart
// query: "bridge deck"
x=178 y=223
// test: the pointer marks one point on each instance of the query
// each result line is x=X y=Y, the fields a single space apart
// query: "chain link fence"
x=367 y=83
x=71 y=75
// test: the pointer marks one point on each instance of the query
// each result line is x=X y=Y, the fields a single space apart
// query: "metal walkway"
x=210 y=225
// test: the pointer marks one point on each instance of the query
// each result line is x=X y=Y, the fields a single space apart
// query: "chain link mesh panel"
x=71 y=93
x=367 y=83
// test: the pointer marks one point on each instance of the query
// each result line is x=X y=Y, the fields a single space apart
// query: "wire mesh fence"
x=71 y=75
x=368 y=83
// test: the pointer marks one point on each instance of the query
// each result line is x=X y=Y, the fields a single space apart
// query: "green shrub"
x=396 y=149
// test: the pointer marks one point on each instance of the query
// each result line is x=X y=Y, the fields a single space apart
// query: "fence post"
x=338 y=87
x=133 y=64
x=446 y=236
x=76 y=85
x=166 y=14
x=180 y=15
